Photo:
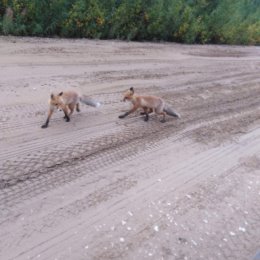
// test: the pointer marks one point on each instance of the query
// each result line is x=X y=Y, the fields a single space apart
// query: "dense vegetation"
x=189 y=21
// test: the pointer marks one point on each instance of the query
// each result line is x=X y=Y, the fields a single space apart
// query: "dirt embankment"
x=104 y=188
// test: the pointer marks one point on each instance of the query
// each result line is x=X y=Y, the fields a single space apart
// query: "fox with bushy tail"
x=67 y=101
x=148 y=104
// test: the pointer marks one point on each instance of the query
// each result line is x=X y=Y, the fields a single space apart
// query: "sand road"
x=100 y=187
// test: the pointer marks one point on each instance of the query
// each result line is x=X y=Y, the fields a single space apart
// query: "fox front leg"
x=146 y=110
x=71 y=107
x=124 y=115
x=146 y=113
x=77 y=107
x=66 y=115
x=45 y=125
x=128 y=112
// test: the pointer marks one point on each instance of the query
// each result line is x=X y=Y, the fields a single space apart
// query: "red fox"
x=67 y=101
x=148 y=104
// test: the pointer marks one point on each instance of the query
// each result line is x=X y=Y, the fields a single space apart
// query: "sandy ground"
x=100 y=187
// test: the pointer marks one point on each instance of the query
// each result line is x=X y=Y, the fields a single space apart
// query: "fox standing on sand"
x=148 y=104
x=67 y=101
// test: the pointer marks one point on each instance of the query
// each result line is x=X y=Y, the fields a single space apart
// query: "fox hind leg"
x=159 y=111
x=164 y=115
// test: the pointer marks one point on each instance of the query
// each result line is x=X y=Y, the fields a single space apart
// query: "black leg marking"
x=146 y=117
x=46 y=124
x=124 y=115
x=67 y=119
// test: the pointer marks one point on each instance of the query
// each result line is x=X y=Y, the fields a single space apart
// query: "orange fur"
x=67 y=101
x=147 y=103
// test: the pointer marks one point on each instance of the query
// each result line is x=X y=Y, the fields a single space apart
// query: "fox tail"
x=89 y=101
x=171 y=112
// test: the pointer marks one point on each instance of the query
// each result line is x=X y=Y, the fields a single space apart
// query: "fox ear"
x=61 y=94
x=52 y=96
x=132 y=90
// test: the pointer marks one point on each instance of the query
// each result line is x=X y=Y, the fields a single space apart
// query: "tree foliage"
x=188 y=21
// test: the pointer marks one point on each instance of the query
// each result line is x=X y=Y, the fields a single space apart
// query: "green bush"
x=85 y=19
x=188 y=21
x=8 y=24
